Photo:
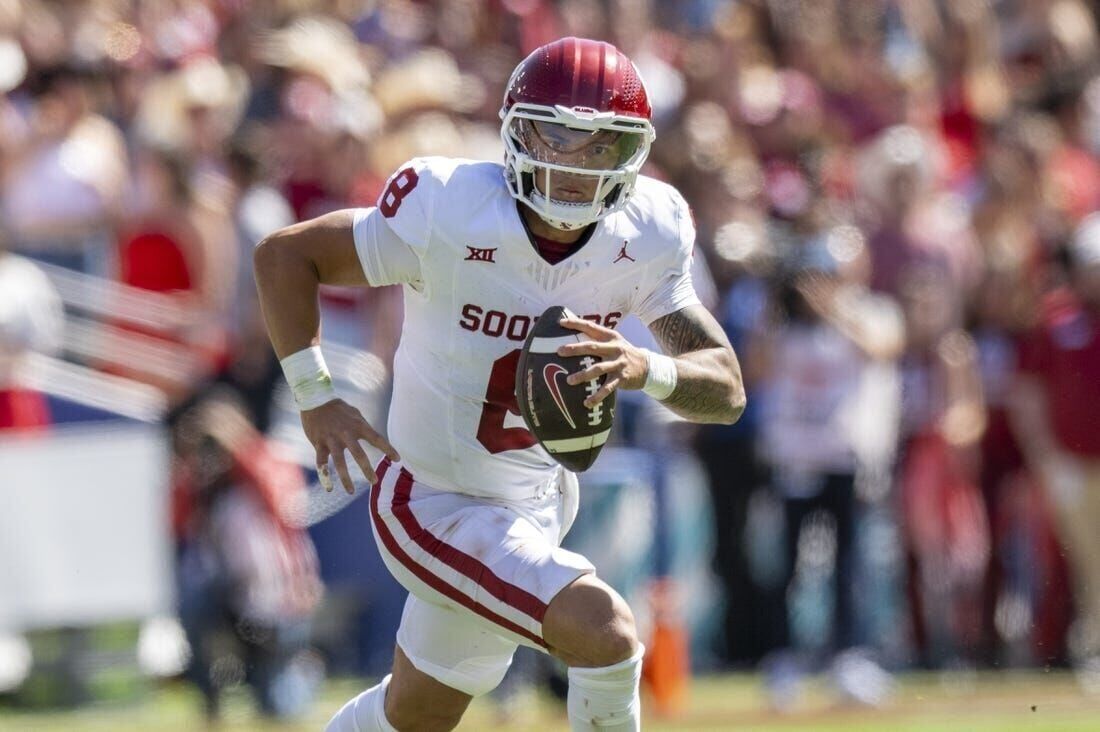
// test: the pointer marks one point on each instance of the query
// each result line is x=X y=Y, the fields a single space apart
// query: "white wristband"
x=309 y=379
x=660 y=381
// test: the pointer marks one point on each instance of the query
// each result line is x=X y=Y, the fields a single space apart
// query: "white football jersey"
x=450 y=232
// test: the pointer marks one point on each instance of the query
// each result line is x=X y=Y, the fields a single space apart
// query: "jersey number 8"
x=399 y=186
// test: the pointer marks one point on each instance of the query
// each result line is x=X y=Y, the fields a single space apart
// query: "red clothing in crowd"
x=274 y=557
x=153 y=260
x=23 y=409
x=256 y=467
x=1064 y=353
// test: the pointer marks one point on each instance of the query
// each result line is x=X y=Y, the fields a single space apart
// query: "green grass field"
x=924 y=703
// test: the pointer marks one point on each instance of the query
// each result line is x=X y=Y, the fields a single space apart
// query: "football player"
x=467 y=509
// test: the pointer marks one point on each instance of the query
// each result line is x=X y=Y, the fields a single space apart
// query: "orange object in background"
x=667 y=668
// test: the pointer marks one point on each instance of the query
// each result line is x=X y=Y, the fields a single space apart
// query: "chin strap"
x=546 y=208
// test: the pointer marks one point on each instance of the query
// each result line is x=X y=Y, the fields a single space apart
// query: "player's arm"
x=700 y=367
x=291 y=263
x=289 y=266
x=709 y=386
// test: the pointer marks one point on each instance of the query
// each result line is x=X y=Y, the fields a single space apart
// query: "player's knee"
x=408 y=713
x=617 y=640
x=589 y=624
x=622 y=642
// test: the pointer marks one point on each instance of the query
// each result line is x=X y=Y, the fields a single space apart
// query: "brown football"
x=554 y=410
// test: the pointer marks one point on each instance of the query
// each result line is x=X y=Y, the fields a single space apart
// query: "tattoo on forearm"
x=685 y=331
x=697 y=398
x=707 y=370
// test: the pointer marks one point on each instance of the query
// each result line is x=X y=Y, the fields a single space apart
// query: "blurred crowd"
x=895 y=203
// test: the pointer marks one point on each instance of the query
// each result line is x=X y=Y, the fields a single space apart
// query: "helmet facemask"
x=572 y=167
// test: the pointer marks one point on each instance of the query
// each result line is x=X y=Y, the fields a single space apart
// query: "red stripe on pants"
x=459 y=560
x=404 y=486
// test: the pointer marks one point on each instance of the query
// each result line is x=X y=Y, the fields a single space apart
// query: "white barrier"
x=84 y=531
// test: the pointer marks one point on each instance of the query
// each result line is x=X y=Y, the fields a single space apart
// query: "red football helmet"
x=576 y=108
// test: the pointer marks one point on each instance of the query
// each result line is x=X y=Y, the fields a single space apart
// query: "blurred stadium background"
x=893 y=201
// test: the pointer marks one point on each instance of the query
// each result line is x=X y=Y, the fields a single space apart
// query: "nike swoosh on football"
x=550 y=374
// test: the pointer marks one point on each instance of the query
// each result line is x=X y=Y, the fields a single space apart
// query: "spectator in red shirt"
x=1057 y=420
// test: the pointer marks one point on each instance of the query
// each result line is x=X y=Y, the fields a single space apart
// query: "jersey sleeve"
x=385 y=257
x=669 y=287
x=408 y=202
x=401 y=223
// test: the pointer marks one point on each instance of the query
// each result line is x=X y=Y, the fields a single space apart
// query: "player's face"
x=547 y=142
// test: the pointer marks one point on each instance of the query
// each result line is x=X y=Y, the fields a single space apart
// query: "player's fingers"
x=593 y=372
x=371 y=435
x=342 y=471
x=360 y=457
x=324 y=477
x=602 y=393
x=322 y=468
x=602 y=349
x=589 y=328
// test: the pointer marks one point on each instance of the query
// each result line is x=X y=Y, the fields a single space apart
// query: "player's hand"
x=624 y=364
x=336 y=427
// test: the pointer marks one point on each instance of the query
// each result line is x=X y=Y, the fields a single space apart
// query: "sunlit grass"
x=924 y=703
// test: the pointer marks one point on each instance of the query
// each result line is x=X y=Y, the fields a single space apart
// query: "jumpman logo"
x=623 y=254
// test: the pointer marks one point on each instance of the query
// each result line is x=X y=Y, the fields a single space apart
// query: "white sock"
x=364 y=713
x=606 y=698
